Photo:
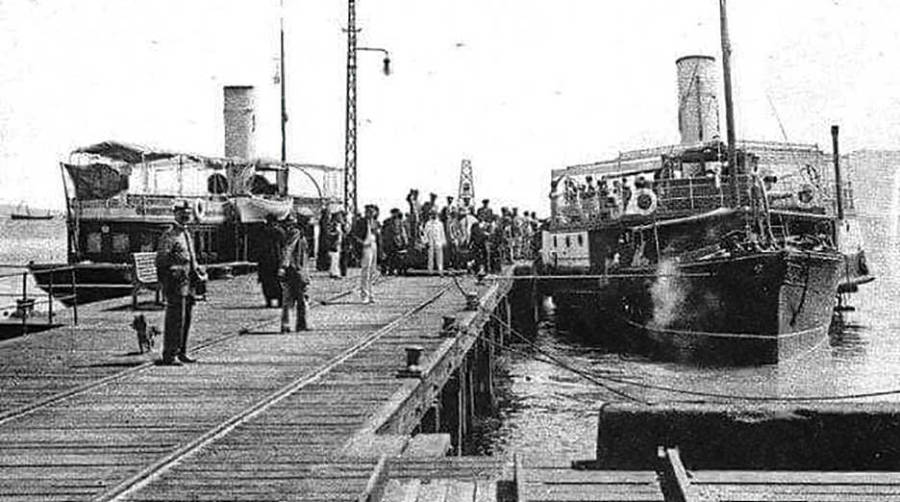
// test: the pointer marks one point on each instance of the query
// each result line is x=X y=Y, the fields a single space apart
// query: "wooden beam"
x=676 y=486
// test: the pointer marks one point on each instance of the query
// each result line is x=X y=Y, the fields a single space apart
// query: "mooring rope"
x=646 y=275
x=597 y=378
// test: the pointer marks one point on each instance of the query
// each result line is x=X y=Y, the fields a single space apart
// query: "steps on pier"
x=440 y=490
x=545 y=479
x=446 y=479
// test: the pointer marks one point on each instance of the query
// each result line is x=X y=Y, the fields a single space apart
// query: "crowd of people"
x=428 y=235
x=575 y=200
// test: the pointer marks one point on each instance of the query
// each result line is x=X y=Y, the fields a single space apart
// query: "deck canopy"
x=113 y=168
x=125 y=152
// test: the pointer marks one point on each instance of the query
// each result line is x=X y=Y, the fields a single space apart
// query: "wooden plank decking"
x=262 y=416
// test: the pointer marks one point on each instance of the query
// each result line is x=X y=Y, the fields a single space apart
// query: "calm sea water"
x=543 y=407
x=20 y=242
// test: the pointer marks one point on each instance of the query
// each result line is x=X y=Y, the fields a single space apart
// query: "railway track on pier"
x=47 y=400
x=110 y=439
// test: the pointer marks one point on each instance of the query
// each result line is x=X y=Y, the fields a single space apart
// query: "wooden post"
x=674 y=479
x=470 y=390
x=24 y=308
x=50 y=301
x=508 y=317
x=437 y=415
x=74 y=296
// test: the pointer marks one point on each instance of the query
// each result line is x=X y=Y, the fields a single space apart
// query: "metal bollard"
x=413 y=367
x=448 y=326
x=471 y=301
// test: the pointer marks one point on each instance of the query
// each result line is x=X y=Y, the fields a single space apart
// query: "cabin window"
x=93 y=242
x=580 y=240
x=217 y=184
x=555 y=243
x=121 y=243
x=568 y=241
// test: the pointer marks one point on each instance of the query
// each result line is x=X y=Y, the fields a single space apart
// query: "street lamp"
x=350 y=193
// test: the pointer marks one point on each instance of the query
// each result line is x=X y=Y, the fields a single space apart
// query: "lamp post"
x=350 y=194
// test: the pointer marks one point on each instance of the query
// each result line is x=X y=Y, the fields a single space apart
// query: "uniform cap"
x=181 y=205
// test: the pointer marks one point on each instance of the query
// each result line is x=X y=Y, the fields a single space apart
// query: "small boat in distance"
x=23 y=212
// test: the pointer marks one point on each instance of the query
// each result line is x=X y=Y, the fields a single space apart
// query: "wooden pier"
x=331 y=414
x=262 y=416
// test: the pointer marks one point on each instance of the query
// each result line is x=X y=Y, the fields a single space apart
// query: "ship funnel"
x=698 y=105
x=240 y=121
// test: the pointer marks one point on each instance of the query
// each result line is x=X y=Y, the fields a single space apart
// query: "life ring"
x=199 y=209
x=806 y=197
x=643 y=202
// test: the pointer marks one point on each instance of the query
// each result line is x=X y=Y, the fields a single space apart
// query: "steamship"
x=119 y=200
x=711 y=251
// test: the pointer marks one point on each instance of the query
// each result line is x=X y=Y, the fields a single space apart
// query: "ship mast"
x=282 y=175
x=729 y=106
x=281 y=81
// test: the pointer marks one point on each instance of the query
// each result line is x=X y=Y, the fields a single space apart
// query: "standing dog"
x=146 y=335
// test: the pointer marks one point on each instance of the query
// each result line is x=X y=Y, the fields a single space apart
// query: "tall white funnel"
x=698 y=104
x=240 y=121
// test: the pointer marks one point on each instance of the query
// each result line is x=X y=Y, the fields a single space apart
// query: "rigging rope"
x=603 y=380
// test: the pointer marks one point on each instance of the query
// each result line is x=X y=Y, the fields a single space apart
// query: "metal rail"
x=23 y=410
x=133 y=484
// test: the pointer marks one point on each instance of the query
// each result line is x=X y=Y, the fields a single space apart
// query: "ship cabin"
x=120 y=197
x=593 y=210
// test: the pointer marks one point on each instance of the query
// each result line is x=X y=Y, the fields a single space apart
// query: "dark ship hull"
x=93 y=281
x=760 y=308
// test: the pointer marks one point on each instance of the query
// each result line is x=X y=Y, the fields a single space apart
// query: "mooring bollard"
x=471 y=300
x=448 y=326
x=413 y=367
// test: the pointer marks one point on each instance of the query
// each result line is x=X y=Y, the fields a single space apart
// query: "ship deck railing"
x=675 y=198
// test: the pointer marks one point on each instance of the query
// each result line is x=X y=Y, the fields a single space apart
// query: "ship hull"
x=757 y=309
x=103 y=281
x=94 y=281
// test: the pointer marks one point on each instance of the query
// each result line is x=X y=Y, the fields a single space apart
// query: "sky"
x=519 y=87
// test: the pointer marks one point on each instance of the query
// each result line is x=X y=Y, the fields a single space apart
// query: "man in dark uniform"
x=484 y=212
x=269 y=259
x=181 y=279
x=478 y=246
x=395 y=242
x=293 y=273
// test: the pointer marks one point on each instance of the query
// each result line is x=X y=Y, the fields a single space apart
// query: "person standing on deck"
x=395 y=242
x=484 y=212
x=333 y=239
x=322 y=257
x=366 y=234
x=269 y=260
x=182 y=279
x=455 y=238
x=478 y=246
x=435 y=239
x=293 y=273
x=346 y=253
